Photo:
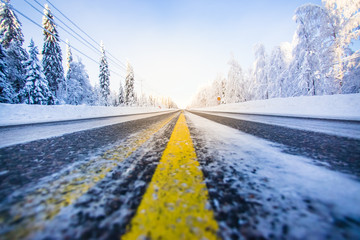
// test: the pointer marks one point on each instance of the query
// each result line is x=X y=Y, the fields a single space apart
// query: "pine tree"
x=16 y=72
x=69 y=57
x=104 y=77
x=121 y=95
x=10 y=27
x=36 y=90
x=11 y=38
x=69 y=60
x=52 y=59
x=6 y=90
x=129 y=86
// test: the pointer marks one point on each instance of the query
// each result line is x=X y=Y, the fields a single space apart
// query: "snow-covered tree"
x=96 y=99
x=69 y=56
x=79 y=89
x=152 y=101
x=216 y=90
x=16 y=57
x=223 y=91
x=6 y=90
x=69 y=60
x=260 y=73
x=129 y=86
x=201 y=98
x=234 y=82
x=312 y=52
x=12 y=39
x=277 y=70
x=36 y=90
x=10 y=26
x=121 y=99
x=345 y=20
x=143 y=100
x=104 y=77
x=114 y=99
x=51 y=55
x=351 y=81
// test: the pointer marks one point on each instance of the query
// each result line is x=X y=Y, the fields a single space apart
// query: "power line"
x=52 y=21
x=97 y=50
x=59 y=38
x=81 y=29
x=89 y=45
x=77 y=50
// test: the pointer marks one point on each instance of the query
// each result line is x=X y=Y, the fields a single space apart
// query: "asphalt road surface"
x=181 y=175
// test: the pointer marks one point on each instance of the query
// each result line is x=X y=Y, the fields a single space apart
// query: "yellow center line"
x=175 y=204
x=45 y=203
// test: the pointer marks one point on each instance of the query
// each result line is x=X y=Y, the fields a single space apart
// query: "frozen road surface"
x=181 y=175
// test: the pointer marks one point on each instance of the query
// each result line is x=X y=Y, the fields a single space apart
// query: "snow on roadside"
x=13 y=114
x=341 y=106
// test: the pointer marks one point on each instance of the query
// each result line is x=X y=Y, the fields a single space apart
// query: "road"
x=181 y=175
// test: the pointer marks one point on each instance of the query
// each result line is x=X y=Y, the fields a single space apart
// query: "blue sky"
x=175 y=47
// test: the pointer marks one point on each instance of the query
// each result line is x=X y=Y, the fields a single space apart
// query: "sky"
x=175 y=47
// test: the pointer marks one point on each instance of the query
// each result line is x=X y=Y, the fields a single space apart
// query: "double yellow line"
x=176 y=203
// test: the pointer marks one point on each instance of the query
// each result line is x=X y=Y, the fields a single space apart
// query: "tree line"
x=319 y=61
x=26 y=79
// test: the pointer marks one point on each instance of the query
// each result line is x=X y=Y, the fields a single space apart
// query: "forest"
x=24 y=78
x=318 y=61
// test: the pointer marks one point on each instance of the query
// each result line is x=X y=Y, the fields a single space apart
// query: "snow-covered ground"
x=13 y=114
x=342 y=106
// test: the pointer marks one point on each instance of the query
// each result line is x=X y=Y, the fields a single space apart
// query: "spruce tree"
x=104 y=78
x=52 y=59
x=69 y=61
x=6 y=90
x=121 y=95
x=69 y=57
x=10 y=27
x=129 y=86
x=11 y=38
x=36 y=90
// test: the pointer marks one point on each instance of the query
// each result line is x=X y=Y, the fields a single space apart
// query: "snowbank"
x=342 y=106
x=12 y=114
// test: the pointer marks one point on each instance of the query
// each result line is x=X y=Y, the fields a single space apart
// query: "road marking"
x=175 y=204
x=43 y=204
